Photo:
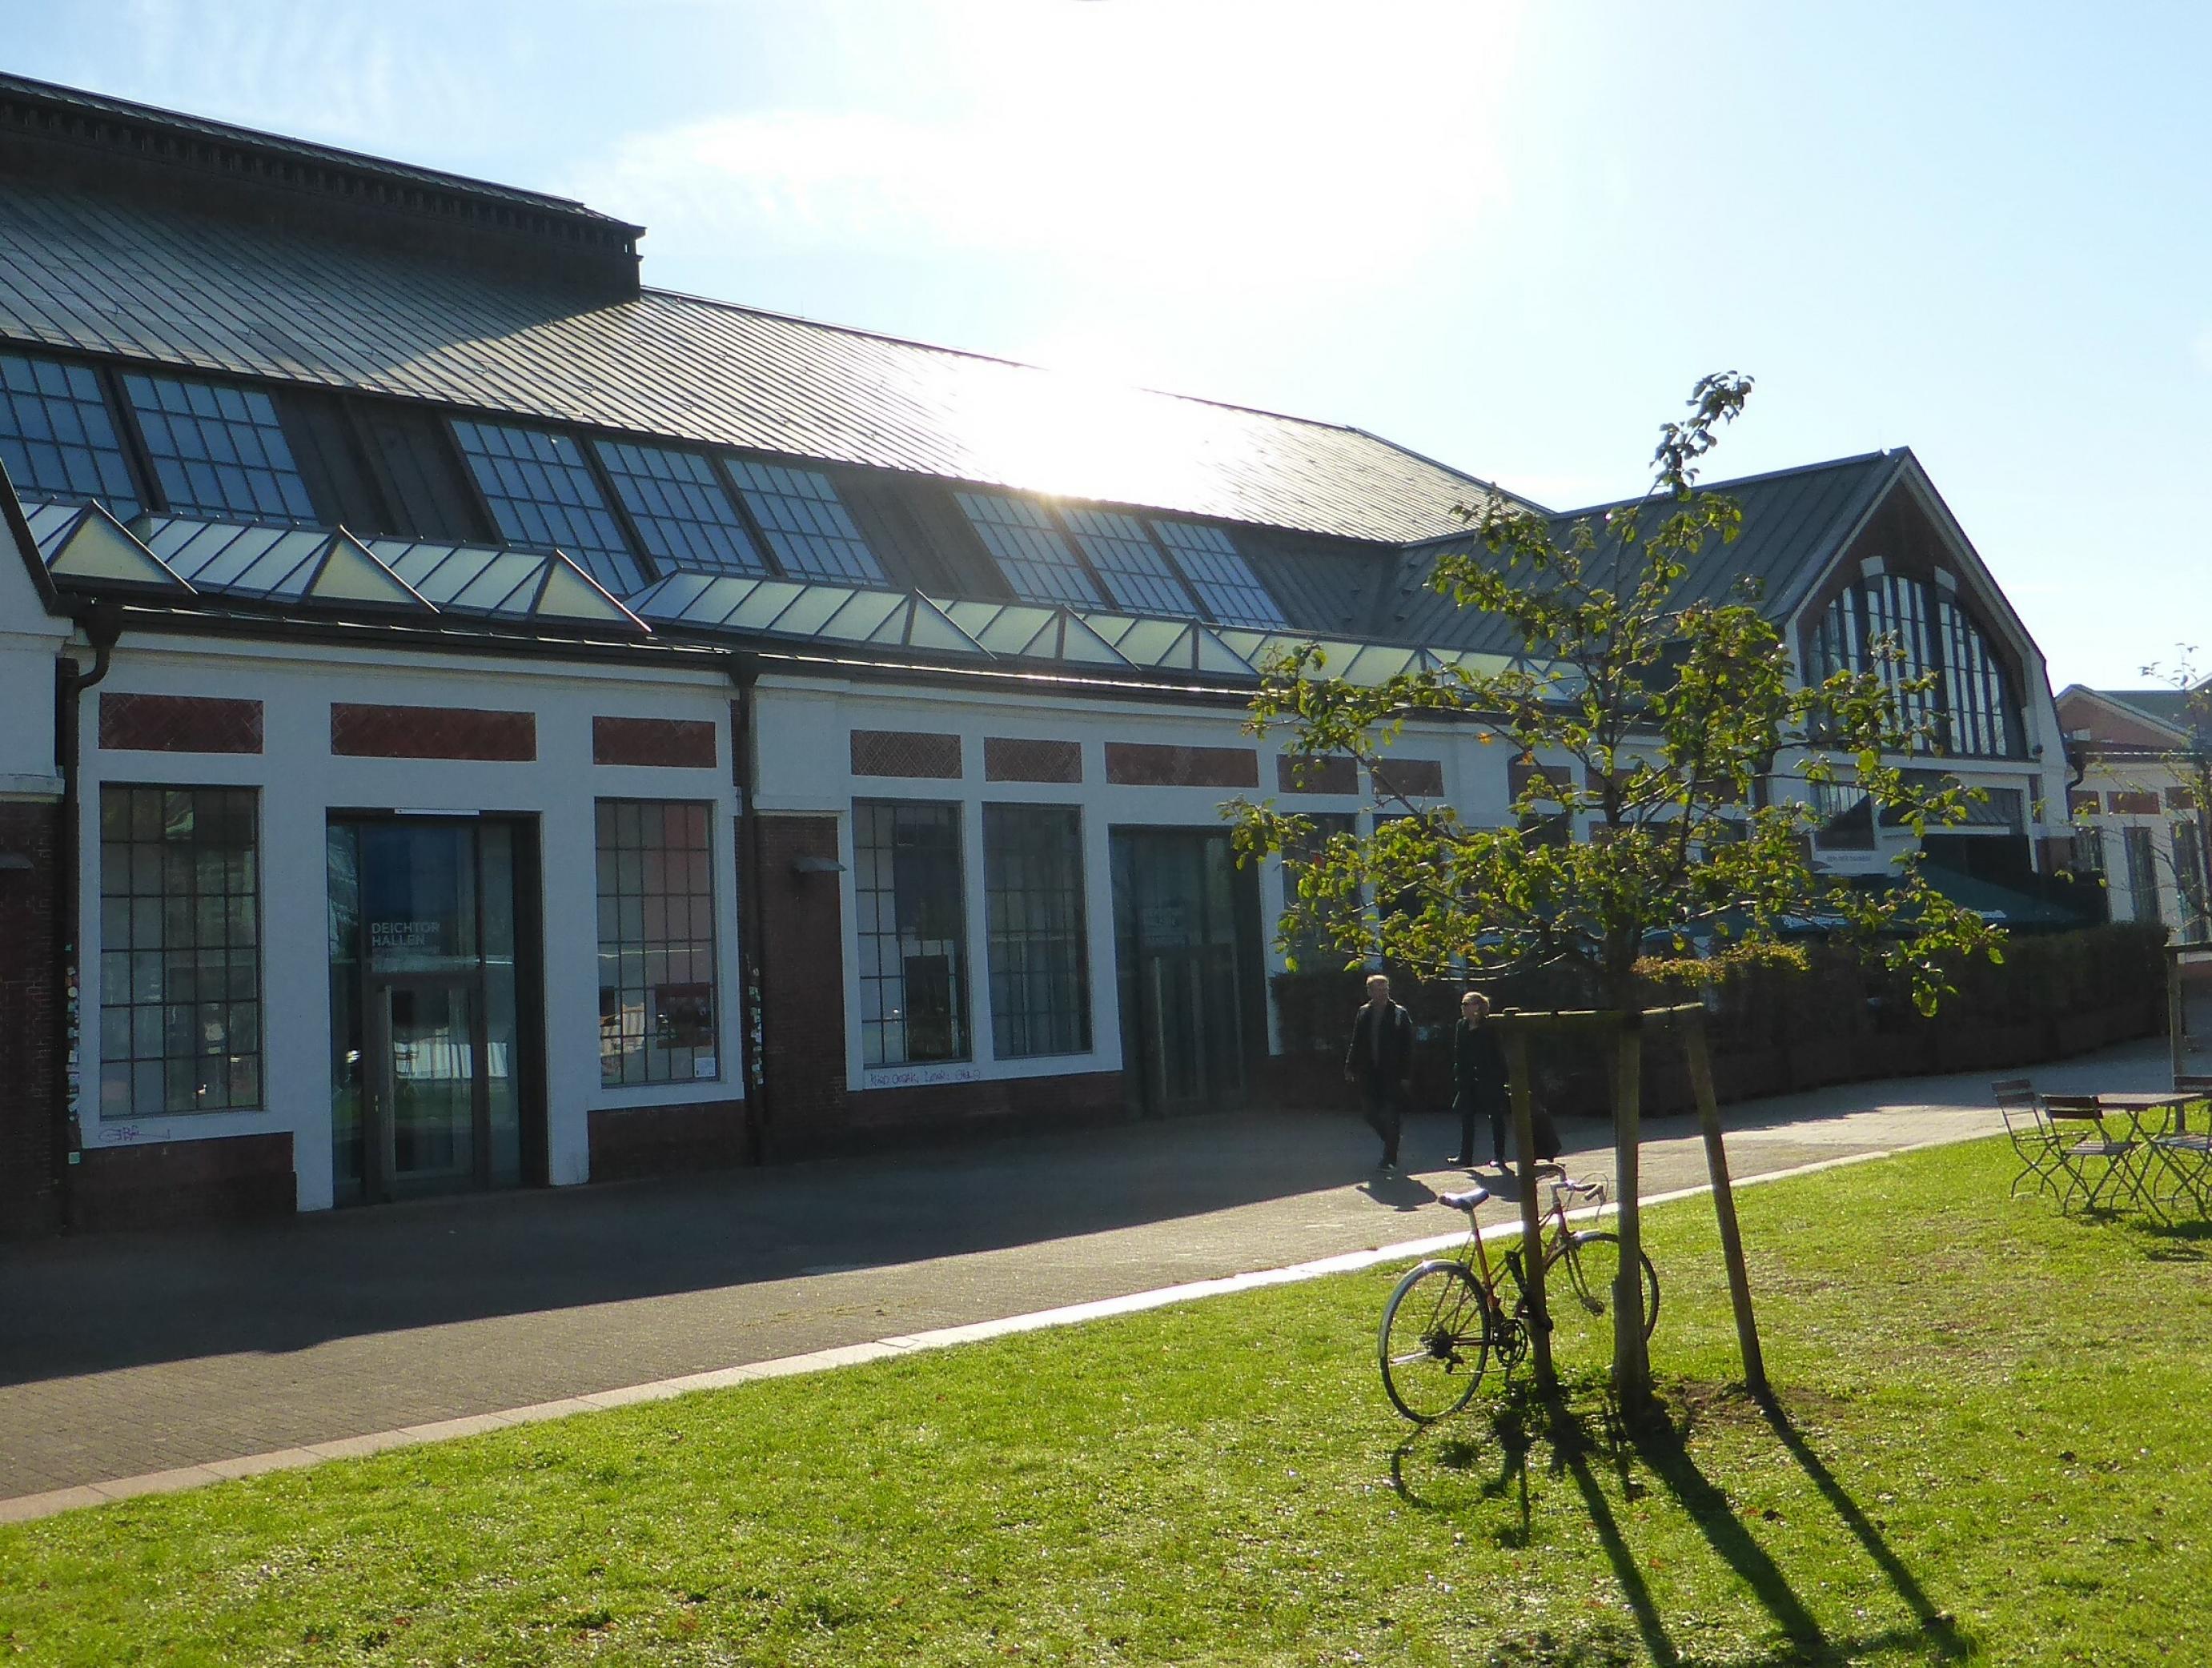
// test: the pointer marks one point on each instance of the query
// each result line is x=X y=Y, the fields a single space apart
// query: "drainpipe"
x=745 y=747
x=102 y=623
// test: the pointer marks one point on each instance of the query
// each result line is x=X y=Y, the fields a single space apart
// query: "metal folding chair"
x=2184 y=1154
x=2121 y=1171
x=2033 y=1139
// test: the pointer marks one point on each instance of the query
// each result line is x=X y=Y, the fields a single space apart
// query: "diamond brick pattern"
x=1301 y=773
x=906 y=753
x=1017 y=759
x=178 y=724
x=1148 y=764
x=682 y=744
x=1409 y=778
x=432 y=732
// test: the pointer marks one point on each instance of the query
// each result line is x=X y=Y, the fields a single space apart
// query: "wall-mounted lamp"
x=816 y=865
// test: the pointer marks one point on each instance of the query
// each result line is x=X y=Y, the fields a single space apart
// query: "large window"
x=677 y=502
x=180 y=951
x=1968 y=712
x=806 y=523
x=1122 y=554
x=1033 y=911
x=541 y=492
x=913 y=926
x=2141 y=853
x=1036 y=559
x=1217 y=572
x=56 y=436
x=656 y=942
x=218 y=451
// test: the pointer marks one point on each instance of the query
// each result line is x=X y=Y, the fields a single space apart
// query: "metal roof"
x=1796 y=521
x=112 y=276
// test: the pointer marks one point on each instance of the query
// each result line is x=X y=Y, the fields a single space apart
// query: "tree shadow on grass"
x=1581 y=1448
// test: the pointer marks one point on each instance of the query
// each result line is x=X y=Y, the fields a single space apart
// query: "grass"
x=1990 y=1447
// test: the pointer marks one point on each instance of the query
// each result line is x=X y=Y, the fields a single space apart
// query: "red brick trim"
x=2082 y=801
x=178 y=724
x=1036 y=1102
x=1013 y=759
x=232 y=1178
x=683 y=744
x=628 y=1141
x=1146 y=764
x=1522 y=773
x=2142 y=803
x=432 y=732
x=1410 y=779
x=911 y=753
x=1330 y=775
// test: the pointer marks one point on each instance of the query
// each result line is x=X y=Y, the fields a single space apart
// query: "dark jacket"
x=1395 y=1064
x=1478 y=1069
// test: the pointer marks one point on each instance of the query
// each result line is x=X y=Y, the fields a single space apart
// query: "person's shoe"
x=1462 y=1162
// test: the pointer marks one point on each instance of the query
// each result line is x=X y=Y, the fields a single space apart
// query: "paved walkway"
x=126 y=1355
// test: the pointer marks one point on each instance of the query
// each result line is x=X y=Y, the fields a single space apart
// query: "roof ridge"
x=187 y=121
x=1897 y=452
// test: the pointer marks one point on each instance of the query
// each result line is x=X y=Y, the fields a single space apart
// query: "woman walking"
x=1477 y=1079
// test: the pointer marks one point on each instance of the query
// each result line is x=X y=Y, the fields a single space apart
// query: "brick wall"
x=1027 y=1103
x=628 y=1141
x=802 y=983
x=164 y=1184
x=29 y=1202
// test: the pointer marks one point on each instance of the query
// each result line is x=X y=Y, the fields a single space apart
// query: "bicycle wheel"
x=1578 y=1286
x=1435 y=1341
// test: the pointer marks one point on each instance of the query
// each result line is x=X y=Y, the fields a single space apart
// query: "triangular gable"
x=2124 y=723
x=349 y=574
x=94 y=550
x=569 y=593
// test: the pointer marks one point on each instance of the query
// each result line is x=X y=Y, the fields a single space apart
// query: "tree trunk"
x=1532 y=1236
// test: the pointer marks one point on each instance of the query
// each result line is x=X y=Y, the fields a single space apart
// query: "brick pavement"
x=125 y=1355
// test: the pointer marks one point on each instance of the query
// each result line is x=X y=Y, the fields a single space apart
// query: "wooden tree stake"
x=1709 y=1121
x=1632 y=1362
x=1532 y=1236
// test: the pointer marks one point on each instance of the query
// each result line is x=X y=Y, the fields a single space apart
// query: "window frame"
x=869 y=935
x=120 y=966
x=107 y=398
x=609 y=863
x=1075 y=942
x=151 y=458
x=627 y=541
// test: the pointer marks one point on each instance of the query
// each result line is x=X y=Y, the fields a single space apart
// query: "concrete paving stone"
x=352 y=1331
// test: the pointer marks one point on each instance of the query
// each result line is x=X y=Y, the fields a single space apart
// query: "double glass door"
x=1186 y=923
x=426 y=1068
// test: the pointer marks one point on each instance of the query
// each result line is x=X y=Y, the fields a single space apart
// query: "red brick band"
x=683 y=743
x=1300 y=773
x=1146 y=764
x=178 y=724
x=1012 y=759
x=432 y=732
x=1409 y=778
x=906 y=753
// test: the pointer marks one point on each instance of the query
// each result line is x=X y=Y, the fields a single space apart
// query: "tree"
x=1654 y=730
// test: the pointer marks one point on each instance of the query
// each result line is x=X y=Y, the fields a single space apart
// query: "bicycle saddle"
x=1465 y=1201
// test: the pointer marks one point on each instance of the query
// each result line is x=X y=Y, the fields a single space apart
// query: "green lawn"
x=1994 y=1449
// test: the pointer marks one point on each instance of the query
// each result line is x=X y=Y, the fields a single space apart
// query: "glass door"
x=1185 y=953
x=425 y=1005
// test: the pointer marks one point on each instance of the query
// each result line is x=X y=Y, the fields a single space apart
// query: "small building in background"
x=2139 y=754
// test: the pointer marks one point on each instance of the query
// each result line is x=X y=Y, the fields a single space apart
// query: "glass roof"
x=291 y=564
x=1031 y=631
x=502 y=583
x=794 y=608
x=86 y=543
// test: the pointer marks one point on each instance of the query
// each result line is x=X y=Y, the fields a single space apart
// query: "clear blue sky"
x=1507 y=235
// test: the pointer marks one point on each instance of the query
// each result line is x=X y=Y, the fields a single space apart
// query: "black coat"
x=1479 y=1083
x=1395 y=1065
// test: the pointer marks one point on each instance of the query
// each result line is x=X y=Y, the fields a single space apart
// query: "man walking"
x=1381 y=1061
x=1479 y=1087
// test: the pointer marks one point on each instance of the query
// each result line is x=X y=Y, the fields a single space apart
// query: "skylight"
x=217 y=450
x=1037 y=561
x=807 y=526
x=677 y=502
x=1217 y=570
x=541 y=493
x=55 y=435
x=1123 y=555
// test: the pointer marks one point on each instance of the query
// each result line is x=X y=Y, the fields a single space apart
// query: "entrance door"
x=428 y=974
x=1186 y=925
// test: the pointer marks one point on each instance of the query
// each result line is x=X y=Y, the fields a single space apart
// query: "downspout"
x=745 y=747
x=102 y=623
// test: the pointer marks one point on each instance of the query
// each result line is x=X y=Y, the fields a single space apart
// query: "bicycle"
x=1445 y=1320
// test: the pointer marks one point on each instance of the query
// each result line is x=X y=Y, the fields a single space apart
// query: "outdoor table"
x=2137 y=1110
